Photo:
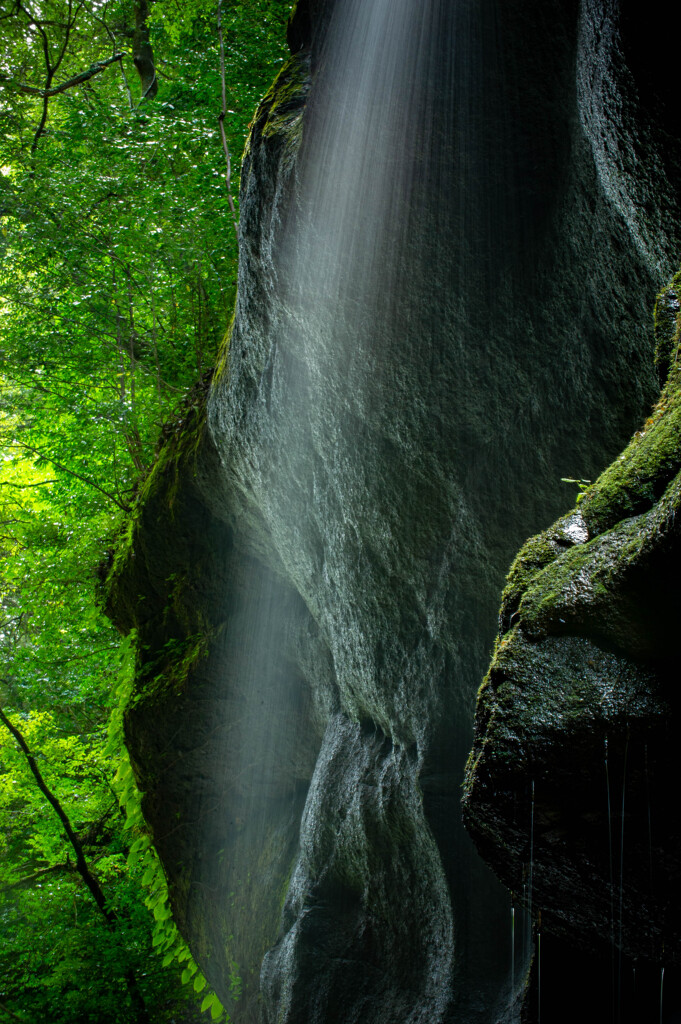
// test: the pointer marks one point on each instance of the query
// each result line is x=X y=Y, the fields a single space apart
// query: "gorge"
x=455 y=217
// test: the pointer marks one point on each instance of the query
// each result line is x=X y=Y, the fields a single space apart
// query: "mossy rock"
x=583 y=689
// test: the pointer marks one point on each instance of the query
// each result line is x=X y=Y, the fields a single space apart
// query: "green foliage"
x=117 y=280
x=59 y=958
x=143 y=861
x=581 y=482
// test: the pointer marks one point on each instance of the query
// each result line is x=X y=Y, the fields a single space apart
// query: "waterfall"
x=411 y=364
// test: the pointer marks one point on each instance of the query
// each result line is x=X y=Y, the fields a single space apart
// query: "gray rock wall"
x=382 y=434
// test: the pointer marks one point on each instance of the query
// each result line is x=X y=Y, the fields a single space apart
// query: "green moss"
x=281 y=109
x=535 y=554
x=667 y=327
x=180 y=443
x=151 y=587
x=222 y=360
x=634 y=482
x=178 y=452
x=284 y=106
x=592 y=574
x=551 y=575
x=639 y=476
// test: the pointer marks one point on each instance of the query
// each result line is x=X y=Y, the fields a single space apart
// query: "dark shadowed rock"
x=575 y=753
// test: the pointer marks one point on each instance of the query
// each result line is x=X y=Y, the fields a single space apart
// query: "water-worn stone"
x=314 y=569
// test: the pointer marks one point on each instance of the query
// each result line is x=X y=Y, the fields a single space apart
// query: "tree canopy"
x=117 y=282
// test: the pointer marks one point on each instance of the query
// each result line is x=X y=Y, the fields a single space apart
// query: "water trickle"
x=512 y=948
x=621 y=883
x=526 y=929
x=539 y=967
x=611 y=882
x=661 y=992
x=531 y=874
x=650 y=825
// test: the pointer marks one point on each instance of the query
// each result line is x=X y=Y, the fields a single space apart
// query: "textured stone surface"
x=341 y=527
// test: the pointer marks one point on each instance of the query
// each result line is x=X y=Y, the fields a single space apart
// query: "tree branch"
x=24 y=487
x=142 y=52
x=81 y=864
x=221 y=118
x=71 y=472
x=70 y=22
x=27 y=879
x=84 y=76
x=11 y=1013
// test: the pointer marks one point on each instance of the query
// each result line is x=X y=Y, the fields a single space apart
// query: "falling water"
x=539 y=968
x=621 y=892
x=661 y=992
x=650 y=825
x=388 y=255
x=512 y=948
x=612 y=882
x=527 y=923
x=529 y=887
x=387 y=261
x=364 y=429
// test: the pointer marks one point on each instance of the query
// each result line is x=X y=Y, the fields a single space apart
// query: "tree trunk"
x=142 y=53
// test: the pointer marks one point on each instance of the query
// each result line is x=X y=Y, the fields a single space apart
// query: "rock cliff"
x=314 y=563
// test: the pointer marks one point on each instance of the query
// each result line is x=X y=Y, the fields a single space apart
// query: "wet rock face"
x=338 y=529
x=574 y=764
x=363 y=839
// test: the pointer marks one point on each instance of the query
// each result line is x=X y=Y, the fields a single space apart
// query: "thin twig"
x=71 y=472
x=49 y=74
x=27 y=879
x=113 y=42
x=84 y=76
x=24 y=487
x=70 y=22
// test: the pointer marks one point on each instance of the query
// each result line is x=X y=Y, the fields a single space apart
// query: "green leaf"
x=149 y=875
